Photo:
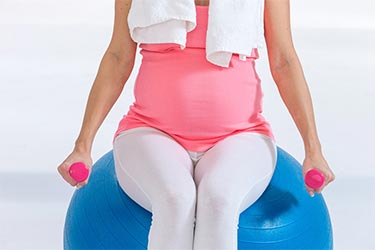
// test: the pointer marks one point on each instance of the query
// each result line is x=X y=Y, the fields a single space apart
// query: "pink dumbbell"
x=78 y=171
x=314 y=178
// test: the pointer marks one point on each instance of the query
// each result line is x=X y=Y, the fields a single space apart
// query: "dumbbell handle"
x=78 y=171
x=314 y=178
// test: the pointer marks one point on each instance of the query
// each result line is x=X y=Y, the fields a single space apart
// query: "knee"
x=177 y=199
x=215 y=196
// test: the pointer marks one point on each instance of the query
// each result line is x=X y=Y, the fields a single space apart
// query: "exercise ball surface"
x=102 y=216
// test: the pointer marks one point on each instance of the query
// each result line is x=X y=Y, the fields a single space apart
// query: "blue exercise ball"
x=102 y=216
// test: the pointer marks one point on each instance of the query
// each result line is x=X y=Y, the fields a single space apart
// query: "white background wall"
x=50 y=52
x=49 y=56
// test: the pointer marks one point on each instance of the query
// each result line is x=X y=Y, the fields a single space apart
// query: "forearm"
x=295 y=94
x=106 y=89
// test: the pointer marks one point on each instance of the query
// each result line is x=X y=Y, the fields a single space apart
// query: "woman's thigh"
x=150 y=165
x=238 y=167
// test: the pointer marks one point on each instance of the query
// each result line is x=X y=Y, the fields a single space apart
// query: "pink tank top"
x=196 y=102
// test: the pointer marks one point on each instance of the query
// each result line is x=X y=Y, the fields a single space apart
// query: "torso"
x=194 y=101
x=202 y=2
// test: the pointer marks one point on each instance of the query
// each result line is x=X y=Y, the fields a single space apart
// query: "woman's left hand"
x=318 y=162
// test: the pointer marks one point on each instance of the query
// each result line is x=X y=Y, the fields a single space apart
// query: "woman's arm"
x=114 y=70
x=287 y=72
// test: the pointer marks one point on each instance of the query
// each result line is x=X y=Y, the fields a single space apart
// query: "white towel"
x=234 y=26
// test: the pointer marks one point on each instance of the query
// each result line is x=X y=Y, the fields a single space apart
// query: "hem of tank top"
x=268 y=138
x=131 y=130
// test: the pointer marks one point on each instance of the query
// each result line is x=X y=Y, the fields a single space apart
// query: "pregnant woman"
x=194 y=148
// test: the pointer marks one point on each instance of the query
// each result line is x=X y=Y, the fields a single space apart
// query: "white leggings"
x=195 y=197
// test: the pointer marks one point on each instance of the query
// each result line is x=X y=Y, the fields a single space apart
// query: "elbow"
x=125 y=61
x=280 y=55
x=281 y=63
x=124 y=55
x=280 y=69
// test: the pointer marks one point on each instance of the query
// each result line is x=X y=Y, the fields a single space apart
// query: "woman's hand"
x=318 y=162
x=75 y=156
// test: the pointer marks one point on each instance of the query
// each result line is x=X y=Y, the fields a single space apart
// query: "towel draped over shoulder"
x=234 y=26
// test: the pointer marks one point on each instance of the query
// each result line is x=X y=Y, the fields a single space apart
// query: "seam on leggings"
x=269 y=139
x=195 y=156
x=131 y=177
x=274 y=145
x=274 y=162
x=256 y=183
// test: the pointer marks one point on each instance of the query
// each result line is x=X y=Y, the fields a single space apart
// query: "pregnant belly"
x=197 y=99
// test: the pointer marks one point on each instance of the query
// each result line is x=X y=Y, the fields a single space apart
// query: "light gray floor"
x=33 y=210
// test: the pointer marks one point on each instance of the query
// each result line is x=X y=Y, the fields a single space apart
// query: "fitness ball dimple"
x=102 y=216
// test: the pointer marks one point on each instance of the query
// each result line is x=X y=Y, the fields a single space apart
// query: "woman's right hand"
x=75 y=156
